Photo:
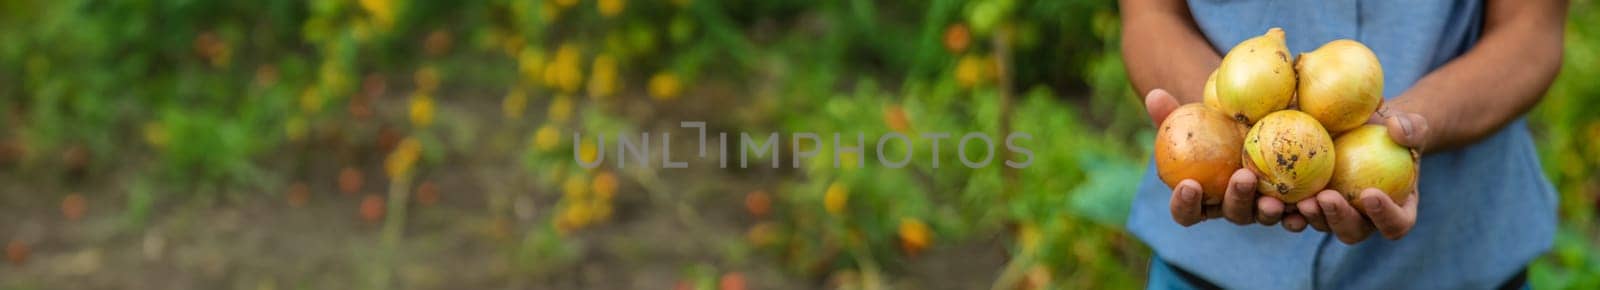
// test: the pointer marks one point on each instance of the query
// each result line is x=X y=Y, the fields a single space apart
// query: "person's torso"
x=1485 y=210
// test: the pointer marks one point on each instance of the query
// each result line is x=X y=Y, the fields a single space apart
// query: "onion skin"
x=1196 y=142
x=1341 y=84
x=1291 y=155
x=1256 y=78
x=1368 y=158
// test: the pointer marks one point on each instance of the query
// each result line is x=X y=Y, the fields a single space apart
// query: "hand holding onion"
x=1386 y=205
x=1292 y=133
x=1215 y=186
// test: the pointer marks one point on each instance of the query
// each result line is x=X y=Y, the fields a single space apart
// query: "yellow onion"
x=1196 y=142
x=1291 y=155
x=1368 y=158
x=1210 y=92
x=1256 y=78
x=1341 y=84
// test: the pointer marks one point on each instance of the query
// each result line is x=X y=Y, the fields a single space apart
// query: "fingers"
x=1159 y=103
x=1342 y=218
x=1239 y=201
x=1269 y=210
x=1294 y=222
x=1391 y=219
x=1186 y=204
x=1408 y=129
x=1312 y=213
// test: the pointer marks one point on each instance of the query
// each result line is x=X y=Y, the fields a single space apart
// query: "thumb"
x=1408 y=129
x=1158 y=103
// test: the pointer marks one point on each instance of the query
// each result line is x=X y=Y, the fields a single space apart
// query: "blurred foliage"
x=1566 y=127
x=220 y=94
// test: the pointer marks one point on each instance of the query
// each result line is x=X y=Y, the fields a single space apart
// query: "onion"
x=1368 y=158
x=1196 y=142
x=1256 y=78
x=1210 y=92
x=1341 y=84
x=1291 y=154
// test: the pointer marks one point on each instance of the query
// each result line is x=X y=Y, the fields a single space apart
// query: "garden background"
x=397 y=144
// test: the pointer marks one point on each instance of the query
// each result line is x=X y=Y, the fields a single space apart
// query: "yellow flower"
x=835 y=199
x=605 y=185
x=604 y=81
x=421 y=110
x=310 y=100
x=664 y=86
x=972 y=70
x=573 y=216
x=564 y=72
x=574 y=189
x=404 y=157
x=514 y=104
x=914 y=235
x=609 y=8
x=427 y=79
x=531 y=63
x=587 y=151
x=1028 y=236
x=547 y=138
x=382 y=11
x=560 y=109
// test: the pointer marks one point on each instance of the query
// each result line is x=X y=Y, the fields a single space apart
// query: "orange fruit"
x=957 y=37
x=372 y=208
x=914 y=236
x=731 y=281
x=17 y=252
x=350 y=180
x=895 y=117
x=758 y=202
x=604 y=185
x=74 y=206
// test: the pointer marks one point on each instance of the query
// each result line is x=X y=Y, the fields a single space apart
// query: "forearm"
x=1494 y=83
x=1162 y=48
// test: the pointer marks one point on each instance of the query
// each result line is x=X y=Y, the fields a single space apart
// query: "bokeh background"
x=398 y=144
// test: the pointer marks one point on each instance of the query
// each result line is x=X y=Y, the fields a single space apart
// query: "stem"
x=1002 y=59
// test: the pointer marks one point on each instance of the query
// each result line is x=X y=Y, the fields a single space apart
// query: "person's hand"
x=1328 y=211
x=1240 y=203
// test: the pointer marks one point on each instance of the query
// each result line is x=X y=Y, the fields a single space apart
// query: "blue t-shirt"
x=1485 y=212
